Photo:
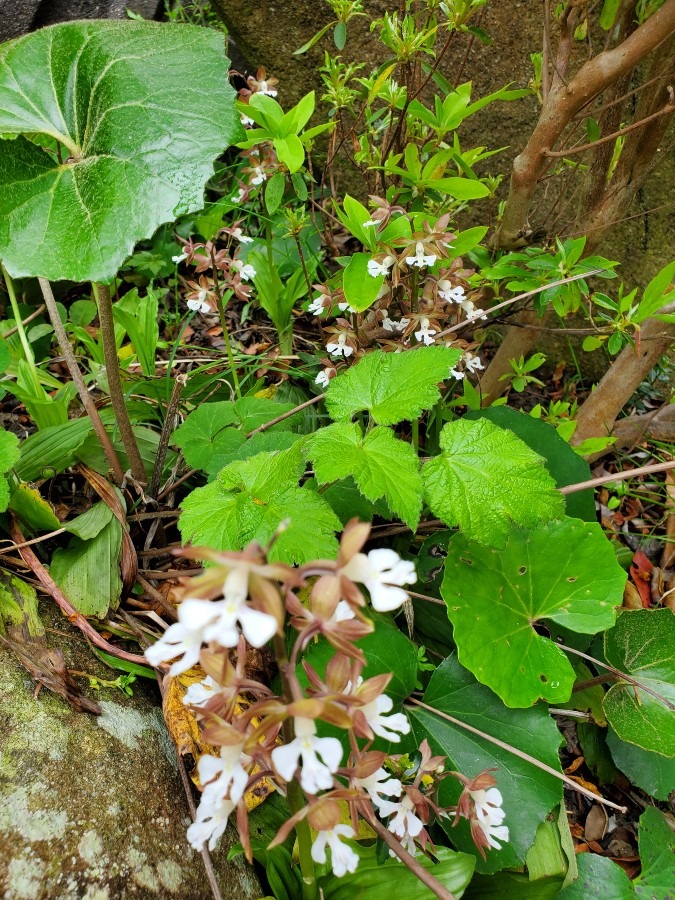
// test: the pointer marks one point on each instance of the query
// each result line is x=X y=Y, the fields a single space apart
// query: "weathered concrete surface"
x=93 y=807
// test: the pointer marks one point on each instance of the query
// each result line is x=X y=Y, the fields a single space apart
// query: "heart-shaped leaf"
x=118 y=125
x=529 y=793
x=642 y=644
x=565 y=572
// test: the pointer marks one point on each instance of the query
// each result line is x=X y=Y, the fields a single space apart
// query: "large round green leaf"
x=642 y=644
x=117 y=125
x=565 y=572
x=529 y=793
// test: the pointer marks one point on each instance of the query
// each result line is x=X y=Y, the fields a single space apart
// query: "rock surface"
x=93 y=807
x=21 y=16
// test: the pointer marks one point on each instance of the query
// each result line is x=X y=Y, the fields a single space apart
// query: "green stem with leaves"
x=112 y=367
x=27 y=349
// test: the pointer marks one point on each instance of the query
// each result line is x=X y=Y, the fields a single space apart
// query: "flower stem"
x=295 y=796
x=112 y=368
x=223 y=325
x=296 y=801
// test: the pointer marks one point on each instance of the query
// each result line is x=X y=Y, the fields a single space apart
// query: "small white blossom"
x=224 y=775
x=343 y=858
x=472 y=362
x=345 y=307
x=388 y=727
x=380 y=783
x=263 y=88
x=469 y=308
x=210 y=821
x=370 y=223
x=185 y=637
x=199 y=304
x=425 y=333
x=259 y=175
x=343 y=612
x=392 y=325
x=490 y=815
x=246 y=270
x=449 y=293
x=240 y=236
x=200 y=692
x=316 y=307
x=257 y=627
x=340 y=348
x=322 y=379
x=179 y=258
x=380 y=571
x=239 y=196
x=404 y=822
x=315 y=774
x=246 y=120
x=421 y=259
x=376 y=268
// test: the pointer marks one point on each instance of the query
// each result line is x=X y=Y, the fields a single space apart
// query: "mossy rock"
x=93 y=807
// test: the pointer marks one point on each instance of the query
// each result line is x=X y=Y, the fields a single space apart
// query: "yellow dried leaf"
x=186 y=734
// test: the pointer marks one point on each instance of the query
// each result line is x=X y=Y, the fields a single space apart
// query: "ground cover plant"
x=276 y=438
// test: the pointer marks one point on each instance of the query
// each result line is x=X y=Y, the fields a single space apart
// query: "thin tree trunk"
x=598 y=414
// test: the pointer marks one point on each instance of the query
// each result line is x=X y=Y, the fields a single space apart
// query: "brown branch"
x=618 y=476
x=64 y=603
x=78 y=380
x=41 y=308
x=564 y=102
x=558 y=154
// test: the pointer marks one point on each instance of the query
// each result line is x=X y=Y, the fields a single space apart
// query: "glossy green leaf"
x=88 y=572
x=9 y=456
x=565 y=466
x=529 y=793
x=51 y=450
x=359 y=286
x=652 y=772
x=140 y=110
x=380 y=463
x=599 y=879
x=249 y=501
x=641 y=644
x=486 y=480
x=32 y=509
x=656 y=842
x=565 y=572
x=392 y=387
x=377 y=881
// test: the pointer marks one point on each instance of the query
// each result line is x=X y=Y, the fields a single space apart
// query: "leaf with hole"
x=486 y=480
x=115 y=124
x=529 y=793
x=641 y=644
x=392 y=387
x=497 y=600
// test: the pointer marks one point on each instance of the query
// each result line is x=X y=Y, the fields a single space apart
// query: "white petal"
x=330 y=751
x=258 y=627
x=285 y=759
x=385 y=598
